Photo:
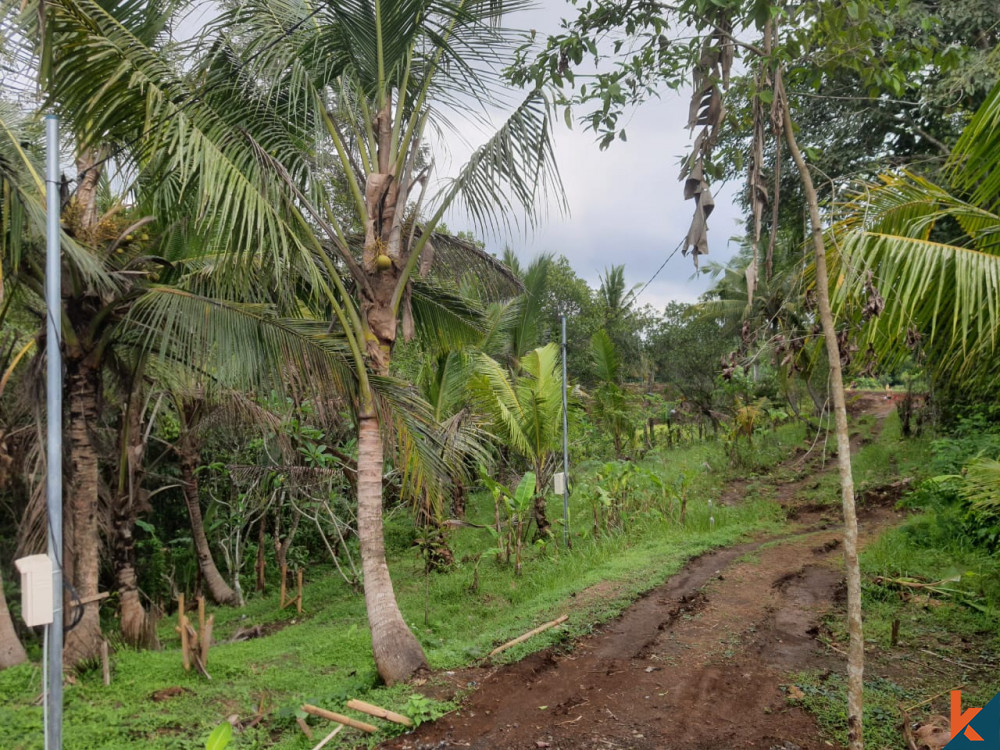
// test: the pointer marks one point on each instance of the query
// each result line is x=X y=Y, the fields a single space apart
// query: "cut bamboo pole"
x=206 y=639
x=298 y=602
x=329 y=737
x=382 y=713
x=284 y=587
x=182 y=627
x=105 y=663
x=201 y=614
x=305 y=727
x=340 y=718
x=529 y=634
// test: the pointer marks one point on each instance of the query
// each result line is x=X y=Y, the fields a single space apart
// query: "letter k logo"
x=960 y=721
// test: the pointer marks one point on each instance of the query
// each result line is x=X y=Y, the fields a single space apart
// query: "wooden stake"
x=201 y=614
x=894 y=640
x=105 y=664
x=284 y=575
x=933 y=697
x=329 y=737
x=182 y=627
x=298 y=605
x=382 y=713
x=305 y=727
x=529 y=634
x=339 y=718
x=206 y=639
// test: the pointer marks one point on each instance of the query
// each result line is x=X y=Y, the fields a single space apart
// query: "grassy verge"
x=323 y=656
x=945 y=640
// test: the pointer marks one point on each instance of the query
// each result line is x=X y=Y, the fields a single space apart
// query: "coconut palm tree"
x=291 y=103
x=930 y=254
x=370 y=80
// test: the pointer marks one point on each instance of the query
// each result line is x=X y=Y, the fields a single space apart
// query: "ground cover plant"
x=458 y=616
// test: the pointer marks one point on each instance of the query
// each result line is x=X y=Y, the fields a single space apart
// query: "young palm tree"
x=525 y=414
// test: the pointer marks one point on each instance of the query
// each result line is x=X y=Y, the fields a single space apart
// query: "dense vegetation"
x=277 y=357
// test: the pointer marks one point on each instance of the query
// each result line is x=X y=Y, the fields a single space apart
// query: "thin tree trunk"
x=261 y=566
x=282 y=545
x=218 y=589
x=136 y=627
x=81 y=554
x=856 y=649
x=818 y=402
x=11 y=651
x=397 y=652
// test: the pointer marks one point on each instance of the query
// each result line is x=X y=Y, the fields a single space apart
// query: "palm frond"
x=512 y=174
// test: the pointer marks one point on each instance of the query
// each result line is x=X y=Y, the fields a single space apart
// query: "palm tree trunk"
x=397 y=652
x=856 y=649
x=544 y=528
x=218 y=589
x=11 y=651
x=137 y=628
x=81 y=554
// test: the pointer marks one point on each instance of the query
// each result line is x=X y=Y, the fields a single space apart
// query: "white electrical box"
x=36 y=589
x=559 y=483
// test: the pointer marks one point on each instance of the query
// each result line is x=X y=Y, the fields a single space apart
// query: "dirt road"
x=700 y=662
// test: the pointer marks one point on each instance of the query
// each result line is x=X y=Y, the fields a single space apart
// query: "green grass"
x=952 y=629
x=880 y=460
x=963 y=626
x=324 y=656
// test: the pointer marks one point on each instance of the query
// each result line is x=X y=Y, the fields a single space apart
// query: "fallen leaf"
x=795 y=693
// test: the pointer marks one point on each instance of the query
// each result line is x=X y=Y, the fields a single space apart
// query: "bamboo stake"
x=305 y=727
x=382 y=713
x=284 y=575
x=529 y=634
x=182 y=627
x=298 y=605
x=206 y=639
x=329 y=737
x=105 y=664
x=340 y=718
x=933 y=697
x=201 y=614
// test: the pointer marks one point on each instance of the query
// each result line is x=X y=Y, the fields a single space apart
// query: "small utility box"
x=36 y=589
x=559 y=483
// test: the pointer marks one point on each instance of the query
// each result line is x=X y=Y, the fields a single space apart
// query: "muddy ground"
x=702 y=661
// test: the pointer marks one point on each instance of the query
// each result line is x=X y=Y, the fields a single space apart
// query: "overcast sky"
x=626 y=203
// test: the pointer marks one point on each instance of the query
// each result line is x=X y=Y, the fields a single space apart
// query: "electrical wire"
x=662 y=266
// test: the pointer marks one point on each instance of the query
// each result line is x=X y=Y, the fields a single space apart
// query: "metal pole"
x=53 y=479
x=565 y=441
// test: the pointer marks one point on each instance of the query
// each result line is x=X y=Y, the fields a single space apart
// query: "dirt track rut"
x=699 y=662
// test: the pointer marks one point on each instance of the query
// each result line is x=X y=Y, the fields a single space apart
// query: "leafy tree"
x=688 y=348
x=643 y=58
